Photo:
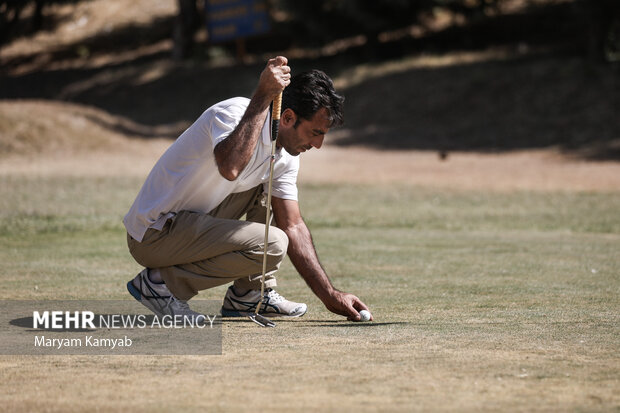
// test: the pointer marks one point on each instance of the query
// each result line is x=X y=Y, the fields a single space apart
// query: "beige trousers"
x=195 y=251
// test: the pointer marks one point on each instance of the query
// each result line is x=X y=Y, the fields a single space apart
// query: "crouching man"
x=185 y=225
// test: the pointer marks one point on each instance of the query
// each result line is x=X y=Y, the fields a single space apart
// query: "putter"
x=275 y=124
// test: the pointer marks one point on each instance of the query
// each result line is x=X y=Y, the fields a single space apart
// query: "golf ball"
x=364 y=315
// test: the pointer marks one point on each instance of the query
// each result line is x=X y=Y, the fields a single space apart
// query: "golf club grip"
x=277 y=107
x=275 y=116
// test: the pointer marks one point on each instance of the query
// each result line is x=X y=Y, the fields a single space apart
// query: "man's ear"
x=288 y=118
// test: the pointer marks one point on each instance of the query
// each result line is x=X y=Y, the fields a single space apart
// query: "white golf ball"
x=364 y=315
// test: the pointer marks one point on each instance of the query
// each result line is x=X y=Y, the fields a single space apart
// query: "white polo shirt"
x=186 y=176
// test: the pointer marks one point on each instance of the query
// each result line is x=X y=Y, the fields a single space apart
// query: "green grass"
x=427 y=209
x=482 y=300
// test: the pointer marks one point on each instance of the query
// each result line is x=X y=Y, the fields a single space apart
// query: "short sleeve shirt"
x=186 y=177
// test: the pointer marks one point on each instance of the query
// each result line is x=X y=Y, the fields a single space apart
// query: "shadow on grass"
x=345 y=323
x=318 y=323
x=27 y=322
x=491 y=106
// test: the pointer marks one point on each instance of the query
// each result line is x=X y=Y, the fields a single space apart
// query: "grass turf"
x=482 y=301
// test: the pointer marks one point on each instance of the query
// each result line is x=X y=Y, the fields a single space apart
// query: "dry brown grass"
x=522 y=170
x=29 y=128
x=308 y=366
x=50 y=131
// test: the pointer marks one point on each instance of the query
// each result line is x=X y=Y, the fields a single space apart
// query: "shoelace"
x=274 y=297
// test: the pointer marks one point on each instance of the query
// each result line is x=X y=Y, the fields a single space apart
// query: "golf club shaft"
x=275 y=124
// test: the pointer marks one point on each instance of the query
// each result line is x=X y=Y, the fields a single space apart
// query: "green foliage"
x=337 y=206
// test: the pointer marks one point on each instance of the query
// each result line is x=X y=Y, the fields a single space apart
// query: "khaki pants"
x=195 y=251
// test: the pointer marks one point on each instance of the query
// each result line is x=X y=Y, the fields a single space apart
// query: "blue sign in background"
x=232 y=19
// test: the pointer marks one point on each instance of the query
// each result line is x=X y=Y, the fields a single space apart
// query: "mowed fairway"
x=483 y=300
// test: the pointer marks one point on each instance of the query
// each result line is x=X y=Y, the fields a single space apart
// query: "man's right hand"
x=233 y=153
x=345 y=304
x=274 y=78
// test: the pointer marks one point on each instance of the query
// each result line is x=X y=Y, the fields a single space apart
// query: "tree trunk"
x=185 y=26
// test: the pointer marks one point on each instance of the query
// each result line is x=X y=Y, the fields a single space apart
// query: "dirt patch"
x=526 y=170
x=56 y=138
x=31 y=128
x=535 y=170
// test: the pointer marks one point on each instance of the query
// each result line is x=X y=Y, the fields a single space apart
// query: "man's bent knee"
x=278 y=242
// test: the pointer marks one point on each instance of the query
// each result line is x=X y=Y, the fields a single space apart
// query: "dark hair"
x=310 y=91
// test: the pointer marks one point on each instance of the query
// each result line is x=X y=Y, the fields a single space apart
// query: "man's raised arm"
x=233 y=153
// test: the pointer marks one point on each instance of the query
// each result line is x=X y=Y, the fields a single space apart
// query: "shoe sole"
x=235 y=313
x=135 y=293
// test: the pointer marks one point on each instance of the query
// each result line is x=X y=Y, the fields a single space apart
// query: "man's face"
x=306 y=135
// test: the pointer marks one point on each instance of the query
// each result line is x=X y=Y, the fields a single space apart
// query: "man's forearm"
x=233 y=153
x=303 y=255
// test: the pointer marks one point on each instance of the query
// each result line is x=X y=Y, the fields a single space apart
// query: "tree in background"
x=13 y=23
x=11 y=13
x=318 y=22
x=330 y=19
x=186 y=23
x=603 y=29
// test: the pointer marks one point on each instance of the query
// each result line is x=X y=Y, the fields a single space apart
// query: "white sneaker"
x=157 y=298
x=273 y=304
